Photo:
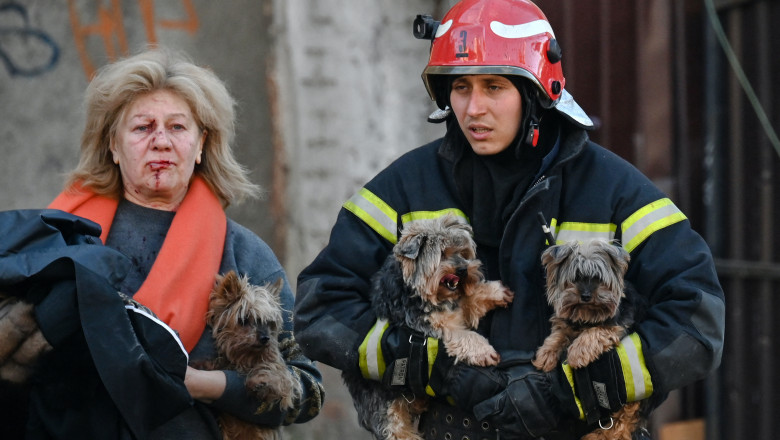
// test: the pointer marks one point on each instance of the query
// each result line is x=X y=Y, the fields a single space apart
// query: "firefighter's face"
x=488 y=109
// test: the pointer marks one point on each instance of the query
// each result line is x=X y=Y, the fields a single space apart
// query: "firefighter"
x=516 y=144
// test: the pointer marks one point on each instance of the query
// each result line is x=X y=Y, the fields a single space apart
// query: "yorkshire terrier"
x=245 y=321
x=593 y=310
x=432 y=283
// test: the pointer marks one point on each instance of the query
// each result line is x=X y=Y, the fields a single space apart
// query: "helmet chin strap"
x=532 y=132
x=529 y=124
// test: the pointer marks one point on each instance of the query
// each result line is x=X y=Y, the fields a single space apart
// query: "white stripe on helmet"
x=443 y=28
x=524 y=30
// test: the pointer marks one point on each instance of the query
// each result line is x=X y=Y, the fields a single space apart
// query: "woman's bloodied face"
x=156 y=145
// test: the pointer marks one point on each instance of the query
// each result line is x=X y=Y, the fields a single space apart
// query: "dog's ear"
x=453 y=221
x=409 y=246
x=553 y=257
x=558 y=253
x=619 y=255
x=276 y=288
x=229 y=284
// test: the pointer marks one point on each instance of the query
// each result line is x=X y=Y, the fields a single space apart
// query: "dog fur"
x=21 y=341
x=432 y=283
x=245 y=321
x=593 y=310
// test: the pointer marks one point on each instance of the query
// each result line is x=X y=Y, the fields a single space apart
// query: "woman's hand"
x=204 y=385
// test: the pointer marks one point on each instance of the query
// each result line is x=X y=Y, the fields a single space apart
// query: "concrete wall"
x=329 y=92
x=352 y=100
x=50 y=48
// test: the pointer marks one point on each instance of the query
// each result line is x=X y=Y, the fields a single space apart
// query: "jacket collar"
x=569 y=145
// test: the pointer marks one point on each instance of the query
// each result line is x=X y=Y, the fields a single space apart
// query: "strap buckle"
x=418 y=339
x=611 y=424
x=417 y=372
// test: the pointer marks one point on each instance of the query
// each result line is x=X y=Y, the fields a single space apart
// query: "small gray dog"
x=432 y=283
x=594 y=308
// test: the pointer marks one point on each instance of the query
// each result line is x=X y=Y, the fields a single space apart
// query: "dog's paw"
x=268 y=390
x=263 y=391
x=472 y=348
x=488 y=357
x=291 y=392
x=545 y=360
x=280 y=387
x=580 y=355
x=508 y=296
x=591 y=344
x=500 y=294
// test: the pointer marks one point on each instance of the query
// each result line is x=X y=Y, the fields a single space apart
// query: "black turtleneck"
x=492 y=187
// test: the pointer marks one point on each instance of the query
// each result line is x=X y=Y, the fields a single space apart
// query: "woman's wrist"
x=204 y=385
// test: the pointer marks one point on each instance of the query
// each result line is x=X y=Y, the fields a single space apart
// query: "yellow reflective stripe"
x=372 y=363
x=429 y=215
x=649 y=219
x=433 y=351
x=383 y=219
x=638 y=383
x=375 y=212
x=570 y=377
x=578 y=231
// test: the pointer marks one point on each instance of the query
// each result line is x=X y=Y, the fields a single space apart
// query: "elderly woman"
x=156 y=172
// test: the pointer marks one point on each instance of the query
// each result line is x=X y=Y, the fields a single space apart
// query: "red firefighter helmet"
x=499 y=37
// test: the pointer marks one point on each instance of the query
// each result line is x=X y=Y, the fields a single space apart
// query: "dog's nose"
x=586 y=292
x=263 y=335
x=462 y=272
x=587 y=288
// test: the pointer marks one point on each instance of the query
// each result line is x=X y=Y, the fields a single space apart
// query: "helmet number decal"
x=462 y=48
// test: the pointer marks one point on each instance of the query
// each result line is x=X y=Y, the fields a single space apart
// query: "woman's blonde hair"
x=118 y=84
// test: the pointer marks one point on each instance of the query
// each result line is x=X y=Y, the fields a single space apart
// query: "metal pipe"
x=714 y=205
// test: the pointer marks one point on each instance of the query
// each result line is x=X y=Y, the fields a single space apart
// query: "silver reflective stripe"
x=417 y=216
x=373 y=350
x=568 y=231
x=374 y=212
x=636 y=369
x=649 y=219
x=638 y=382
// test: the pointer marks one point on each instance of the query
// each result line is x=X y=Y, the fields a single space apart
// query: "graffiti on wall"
x=109 y=27
x=28 y=51
x=24 y=50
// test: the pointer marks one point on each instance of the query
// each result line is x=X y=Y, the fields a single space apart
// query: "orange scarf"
x=178 y=285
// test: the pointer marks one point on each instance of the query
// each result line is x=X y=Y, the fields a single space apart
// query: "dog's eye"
x=245 y=322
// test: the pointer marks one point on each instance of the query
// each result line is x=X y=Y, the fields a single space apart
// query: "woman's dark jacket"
x=117 y=372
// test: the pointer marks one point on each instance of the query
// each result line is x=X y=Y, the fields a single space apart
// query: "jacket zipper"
x=538 y=181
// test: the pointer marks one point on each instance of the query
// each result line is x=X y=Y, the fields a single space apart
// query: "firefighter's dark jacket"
x=105 y=357
x=584 y=191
